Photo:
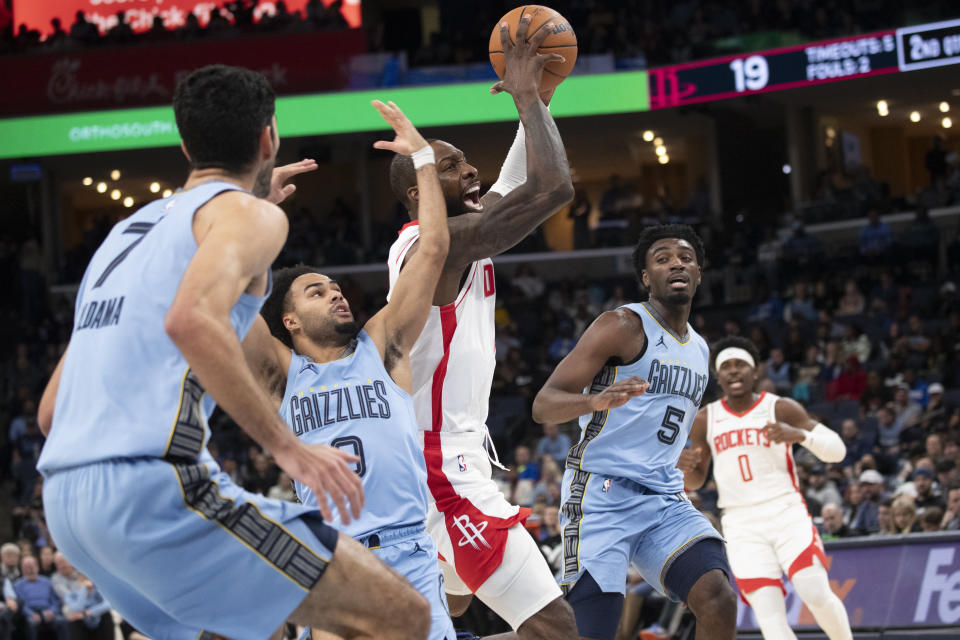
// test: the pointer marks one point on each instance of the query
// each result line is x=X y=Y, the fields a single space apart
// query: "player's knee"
x=813 y=586
x=554 y=621
x=713 y=599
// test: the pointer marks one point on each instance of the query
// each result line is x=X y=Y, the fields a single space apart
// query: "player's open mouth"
x=678 y=282
x=471 y=198
x=341 y=310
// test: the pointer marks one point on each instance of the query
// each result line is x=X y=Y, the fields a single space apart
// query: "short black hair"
x=737 y=342
x=279 y=301
x=220 y=113
x=658 y=232
x=403 y=176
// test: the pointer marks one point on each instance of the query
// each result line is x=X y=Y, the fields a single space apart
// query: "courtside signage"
x=319 y=114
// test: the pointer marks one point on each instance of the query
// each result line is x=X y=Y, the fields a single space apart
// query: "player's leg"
x=687 y=554
x=802 y=557
x=769 y=608
x=813 y=587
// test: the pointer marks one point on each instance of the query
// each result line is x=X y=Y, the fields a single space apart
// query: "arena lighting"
x=944 y=107
x=115 y=174
x=661 y=150
x=883 y=108
x=128 y=202
x=115 y=194
x=167 y=193
x=946 y=123
x=787 y=169
x=664 y=159
x=154 y=187
x=87 y=181
x=648 y=136
x=658 y=142
x=101 y=187
x=914 y=116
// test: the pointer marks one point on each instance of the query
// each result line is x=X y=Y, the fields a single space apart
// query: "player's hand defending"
x=326 y=471
x=689 y=459
x=280 y=191
x=408 y=139
x=523 y=65
x=779 y=433
x=618 y=394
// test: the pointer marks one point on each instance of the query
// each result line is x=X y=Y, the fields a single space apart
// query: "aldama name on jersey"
x=100 y=313
x=677 y=380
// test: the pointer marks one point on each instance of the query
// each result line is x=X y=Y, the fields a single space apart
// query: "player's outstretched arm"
x=238 y=237
x=794 y=424
x=397 y=326
x=695 y=460
x=49 y=398
x=513 y=210
x=614 y=336
x=268 y=359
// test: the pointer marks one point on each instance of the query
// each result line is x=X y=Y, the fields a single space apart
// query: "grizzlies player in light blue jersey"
x=635 y=379
x=343 y=386
x=132 y=497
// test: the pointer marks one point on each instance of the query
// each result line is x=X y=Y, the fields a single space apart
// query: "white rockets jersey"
x=748 y=468
x=453 y=359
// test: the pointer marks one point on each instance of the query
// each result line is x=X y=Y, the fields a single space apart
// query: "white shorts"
x=766 y=540
x=484 y=549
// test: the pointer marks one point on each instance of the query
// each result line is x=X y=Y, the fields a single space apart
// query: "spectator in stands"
x=84 y=32
x=933 y=446
x=905 y=515
x=778 y=371
x=527 y=282
x=921 y=239
x=951 y=516
x=563 y=343
x=551 y=538
x=121 y=32
x=261 y=475
x=88 y=612
x=937 y=416
x=553 y=444
x=64 y=579
x=579 y=212
x=855 y=343
x=875 y=396
x=800 y=306
x=907 y=412
x=850 y=384
x=885 y=518
x=822 y=489
x=808 y=372
x=9 y=562
x=41 y=606
x=947 y=471
x=876 y=240
x=927 y=495
x=930 y=519
x=857 y=445
x=45 y=560
x=872 y=486
x=283 y=490
x=852 y=303
x=833 y=525
x=802 y=252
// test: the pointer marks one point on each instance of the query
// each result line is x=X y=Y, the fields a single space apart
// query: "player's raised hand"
x=522 y=63
x=279 y=190
x=689 y=459
x=618 y=394
x=326 y=471
x=408 y=139
x=779 y=433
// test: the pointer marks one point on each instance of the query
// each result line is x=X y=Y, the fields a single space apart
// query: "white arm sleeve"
x=513 y=173
x=825 y=443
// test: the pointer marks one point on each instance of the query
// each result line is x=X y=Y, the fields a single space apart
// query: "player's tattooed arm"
x=695 y=460
x=49 y=398
x=268 y=359
x=397 y=326
x=616 y=336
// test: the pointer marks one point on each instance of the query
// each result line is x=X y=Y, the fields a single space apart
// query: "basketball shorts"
x=181 y=551
x=609 y=522
x=484 y=549
x=766 y=540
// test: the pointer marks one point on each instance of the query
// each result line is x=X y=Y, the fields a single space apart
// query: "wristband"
x=422 y=157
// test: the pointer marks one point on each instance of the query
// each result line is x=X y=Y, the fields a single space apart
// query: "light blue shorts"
x=410 y=551
x=182 y=553
x=609 y=522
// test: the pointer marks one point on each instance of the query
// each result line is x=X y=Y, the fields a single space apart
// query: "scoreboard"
x=860 y=56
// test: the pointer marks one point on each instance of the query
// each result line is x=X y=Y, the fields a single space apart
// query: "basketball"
x=562 y=40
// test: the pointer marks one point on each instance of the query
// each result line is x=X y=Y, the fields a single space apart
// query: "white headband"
x=734 y=353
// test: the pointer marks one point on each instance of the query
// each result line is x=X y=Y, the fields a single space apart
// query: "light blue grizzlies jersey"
x=642 y=439
x=125 y=390
x=352 y=403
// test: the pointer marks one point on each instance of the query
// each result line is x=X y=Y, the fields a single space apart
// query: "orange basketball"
x=562 y=40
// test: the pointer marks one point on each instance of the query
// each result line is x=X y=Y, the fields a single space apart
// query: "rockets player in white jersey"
x=483 y=546
x=765 y=520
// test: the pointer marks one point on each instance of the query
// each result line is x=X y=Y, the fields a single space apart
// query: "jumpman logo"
x=661 y=343
x=471 y=532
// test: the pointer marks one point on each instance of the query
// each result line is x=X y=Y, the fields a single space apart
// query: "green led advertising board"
x=319 y=114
